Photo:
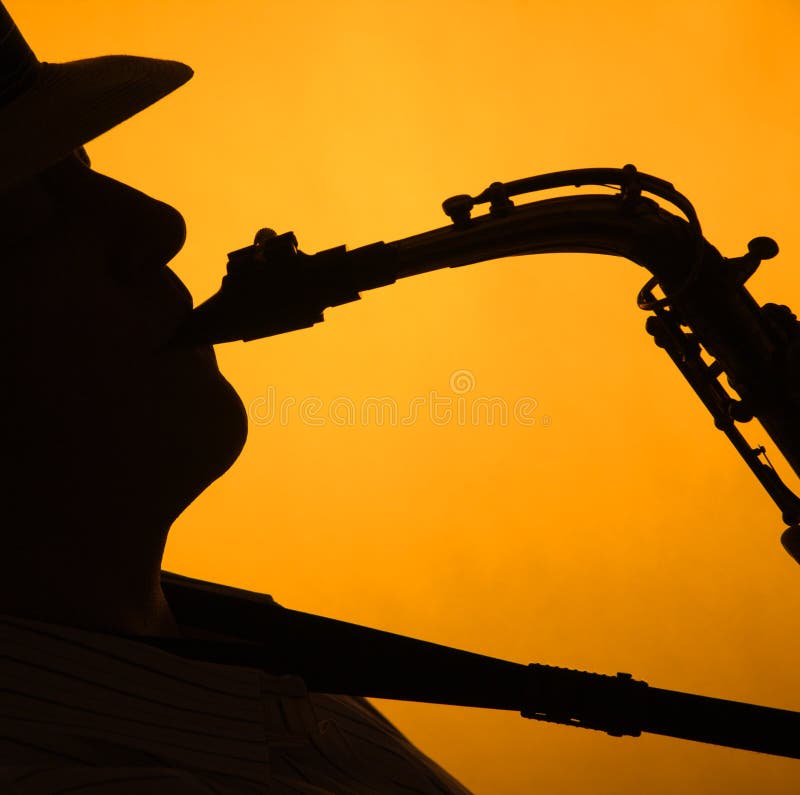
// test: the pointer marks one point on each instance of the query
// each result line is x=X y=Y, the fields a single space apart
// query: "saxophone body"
x=704 y=317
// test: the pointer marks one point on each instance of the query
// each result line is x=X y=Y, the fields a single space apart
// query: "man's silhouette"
x=109 y=433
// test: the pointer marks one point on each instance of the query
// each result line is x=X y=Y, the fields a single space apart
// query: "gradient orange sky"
x=619 y=531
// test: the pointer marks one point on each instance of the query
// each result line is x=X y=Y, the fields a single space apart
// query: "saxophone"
x=699 y=312
x=704 y=307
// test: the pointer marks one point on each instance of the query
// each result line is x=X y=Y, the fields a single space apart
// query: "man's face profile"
x=109 y=431
x=102 y=410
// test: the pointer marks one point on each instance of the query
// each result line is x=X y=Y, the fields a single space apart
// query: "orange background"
x=623 y=534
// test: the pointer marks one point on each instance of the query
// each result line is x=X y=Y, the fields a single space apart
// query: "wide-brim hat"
x=47 y=110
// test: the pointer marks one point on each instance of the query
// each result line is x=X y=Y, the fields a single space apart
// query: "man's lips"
x=180 y=288
x=183 y=304
x=206 y=353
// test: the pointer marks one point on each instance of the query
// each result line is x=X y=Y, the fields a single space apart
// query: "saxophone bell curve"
x=272 y=287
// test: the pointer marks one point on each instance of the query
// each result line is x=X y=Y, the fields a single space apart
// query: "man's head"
x=106 y=425
x=102 y=411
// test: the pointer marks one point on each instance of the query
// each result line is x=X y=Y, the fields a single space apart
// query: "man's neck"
x=66 y=585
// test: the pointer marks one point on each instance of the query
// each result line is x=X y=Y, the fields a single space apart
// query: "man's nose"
x=142 y=235
x=139 y=234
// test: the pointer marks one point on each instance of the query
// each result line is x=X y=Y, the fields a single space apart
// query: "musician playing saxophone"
x=109 y=433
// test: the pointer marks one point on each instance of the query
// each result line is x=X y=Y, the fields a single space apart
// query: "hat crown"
x=18 y=64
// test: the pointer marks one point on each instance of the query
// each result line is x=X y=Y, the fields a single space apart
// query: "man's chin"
x=201 y=435
x=235 y=435
x=225 y=433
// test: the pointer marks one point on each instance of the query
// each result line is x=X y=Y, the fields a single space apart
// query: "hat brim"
x=69 y=104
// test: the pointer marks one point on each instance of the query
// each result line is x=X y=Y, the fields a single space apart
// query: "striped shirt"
x=86 y=713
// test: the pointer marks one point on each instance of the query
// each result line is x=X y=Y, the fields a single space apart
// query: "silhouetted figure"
x=108 y=435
